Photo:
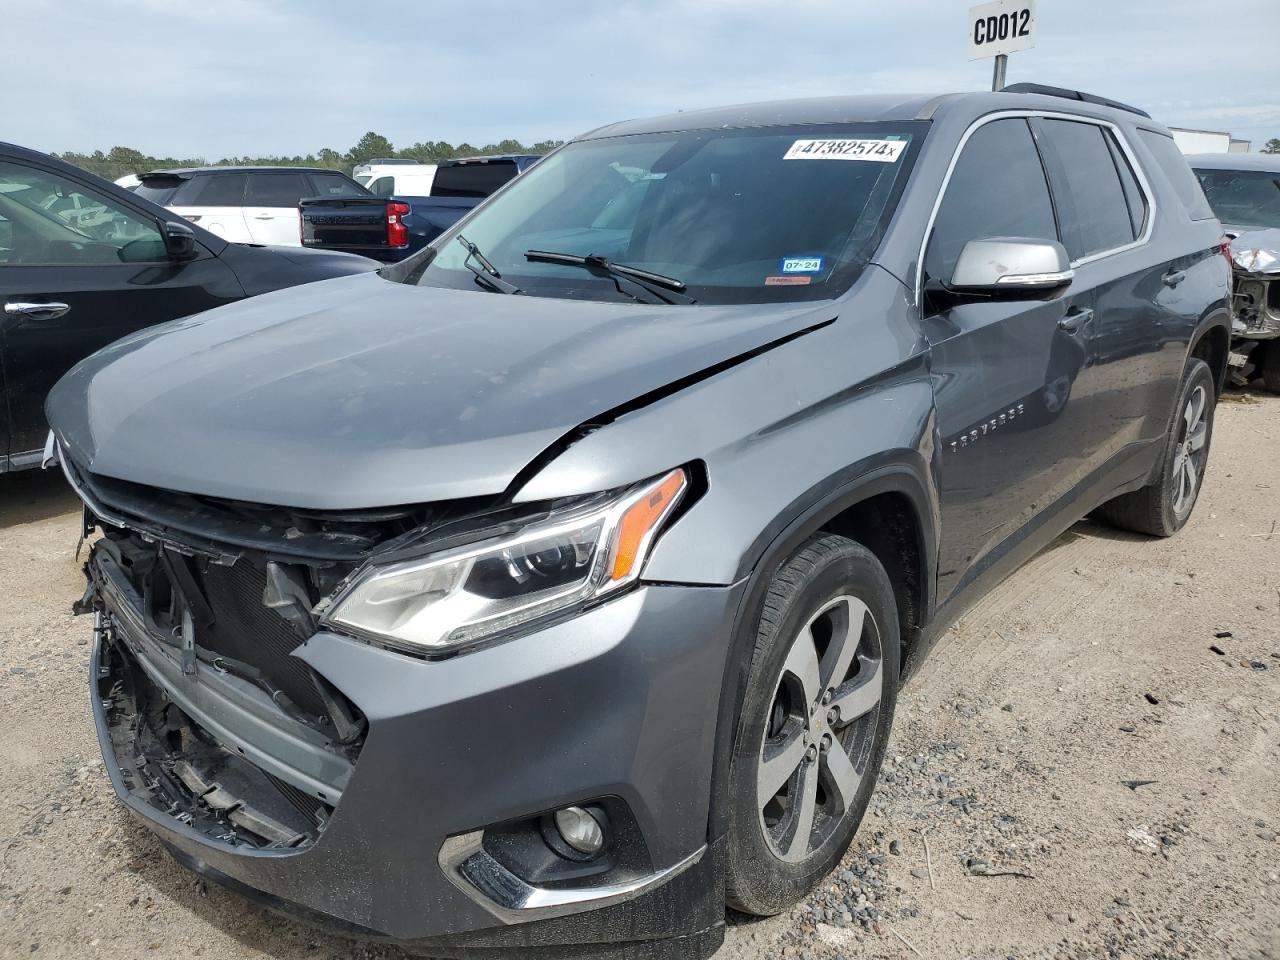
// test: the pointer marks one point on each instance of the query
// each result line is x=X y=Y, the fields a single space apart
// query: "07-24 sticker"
x=876 y=151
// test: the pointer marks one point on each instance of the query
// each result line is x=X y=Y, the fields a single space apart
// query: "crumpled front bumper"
x=1255 y=257
x=619 y=702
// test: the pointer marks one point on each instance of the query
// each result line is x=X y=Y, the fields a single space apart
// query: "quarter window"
x=997 y=189
x=1175 y=168
x=1091 y=199
x=335 y=185
x=210 y=190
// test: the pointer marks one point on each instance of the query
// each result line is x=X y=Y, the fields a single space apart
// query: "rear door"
x=1005 y=372
x=271 y=206
x=1104 y=211
x=74 y=276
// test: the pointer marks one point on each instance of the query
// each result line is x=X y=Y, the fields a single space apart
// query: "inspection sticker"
x=801 y=265
x=878 y=151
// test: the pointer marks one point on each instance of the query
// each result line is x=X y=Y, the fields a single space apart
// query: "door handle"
x=263 y=216
x=1174 y=278
x=1075 y=319
x=36 y=311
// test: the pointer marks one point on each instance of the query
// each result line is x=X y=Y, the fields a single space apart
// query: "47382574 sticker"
x=877 y=151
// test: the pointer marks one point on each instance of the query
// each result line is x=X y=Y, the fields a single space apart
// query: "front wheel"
x=814 y=722
x=1164 y=506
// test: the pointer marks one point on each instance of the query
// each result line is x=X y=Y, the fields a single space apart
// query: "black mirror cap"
x=179 y=240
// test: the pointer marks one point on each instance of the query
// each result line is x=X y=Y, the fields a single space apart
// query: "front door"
x=78 y=269
x=1006 y=373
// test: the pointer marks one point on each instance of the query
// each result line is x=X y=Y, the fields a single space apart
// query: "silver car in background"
x=1244 y=191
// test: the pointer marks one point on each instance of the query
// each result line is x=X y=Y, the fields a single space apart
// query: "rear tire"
x=1271 y=365
x=1163 y=507
x=813 y=725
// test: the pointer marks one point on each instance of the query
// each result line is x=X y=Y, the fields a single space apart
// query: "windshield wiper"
x=666 y=289
x=486 y=273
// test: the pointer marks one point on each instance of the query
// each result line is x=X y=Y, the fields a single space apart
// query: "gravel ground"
x=1086 y=768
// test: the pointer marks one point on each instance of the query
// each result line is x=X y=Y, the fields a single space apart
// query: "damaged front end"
x=199 y=605
x=1255 y=260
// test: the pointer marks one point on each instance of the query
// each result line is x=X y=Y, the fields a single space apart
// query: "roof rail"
x=1047 y=91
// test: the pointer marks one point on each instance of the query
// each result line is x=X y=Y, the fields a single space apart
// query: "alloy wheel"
x=1189 y=454
x=818 y=737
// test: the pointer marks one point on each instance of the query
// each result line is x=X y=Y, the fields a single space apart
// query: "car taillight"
x=397 y=232
x=302 y=239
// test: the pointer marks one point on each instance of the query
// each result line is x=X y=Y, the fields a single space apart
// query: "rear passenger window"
x=276 y=189
x=997 y=189
x=211 y=190
x=1176 y=170
x=472 y=179
x=1086 y=184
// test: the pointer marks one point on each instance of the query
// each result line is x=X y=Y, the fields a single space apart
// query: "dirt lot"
x=1092 y=755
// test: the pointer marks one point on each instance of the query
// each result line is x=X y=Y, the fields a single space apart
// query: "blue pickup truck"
x=392 y=228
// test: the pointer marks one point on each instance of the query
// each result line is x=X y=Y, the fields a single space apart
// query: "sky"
x=285 y=77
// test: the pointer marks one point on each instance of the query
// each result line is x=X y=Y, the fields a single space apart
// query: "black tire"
x=1271 y=365
x=770 y=867
x=1158 y=509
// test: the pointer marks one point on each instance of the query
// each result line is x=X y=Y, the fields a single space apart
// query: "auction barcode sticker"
x=879 y=151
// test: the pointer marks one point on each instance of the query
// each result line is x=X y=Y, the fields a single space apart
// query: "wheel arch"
x=1211 y=343
x=890 y=511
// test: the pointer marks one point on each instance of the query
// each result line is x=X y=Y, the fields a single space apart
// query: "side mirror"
x=1011 y=267
x=179 y=240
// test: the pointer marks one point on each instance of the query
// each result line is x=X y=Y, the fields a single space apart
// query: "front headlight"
x=462 y=595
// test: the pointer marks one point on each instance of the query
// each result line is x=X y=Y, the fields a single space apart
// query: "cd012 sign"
x=1002 y=27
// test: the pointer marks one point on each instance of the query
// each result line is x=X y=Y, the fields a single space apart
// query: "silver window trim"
x=1125 y=147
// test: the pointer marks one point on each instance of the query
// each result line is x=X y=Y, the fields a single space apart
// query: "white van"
x=402 y=178
x=245 y=204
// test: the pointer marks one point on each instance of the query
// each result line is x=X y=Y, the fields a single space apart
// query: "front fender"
x=779 y=434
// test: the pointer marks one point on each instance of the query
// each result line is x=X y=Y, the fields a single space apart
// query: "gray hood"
x=359 y=392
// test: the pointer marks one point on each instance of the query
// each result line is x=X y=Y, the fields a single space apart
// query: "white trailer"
x=1207 y=141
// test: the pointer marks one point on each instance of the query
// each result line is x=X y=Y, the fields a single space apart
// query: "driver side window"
x=997 y=189
x=50 y=220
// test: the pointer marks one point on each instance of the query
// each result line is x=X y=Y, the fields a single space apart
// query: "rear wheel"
x=1271 y=365
x=814 y=722
x=1163 y=507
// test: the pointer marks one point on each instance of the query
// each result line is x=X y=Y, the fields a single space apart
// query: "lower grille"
x=245 y=630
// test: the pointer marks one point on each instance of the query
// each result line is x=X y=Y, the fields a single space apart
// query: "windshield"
x=738 y=216
x=1246 y=198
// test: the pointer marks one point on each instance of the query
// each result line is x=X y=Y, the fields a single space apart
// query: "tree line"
x=118 y=161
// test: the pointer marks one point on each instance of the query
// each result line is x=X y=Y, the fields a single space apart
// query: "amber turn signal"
x=642 y=520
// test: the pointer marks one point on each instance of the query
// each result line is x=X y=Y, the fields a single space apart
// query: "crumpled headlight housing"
x=459 y=596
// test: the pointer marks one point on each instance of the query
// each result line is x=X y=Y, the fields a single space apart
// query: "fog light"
x=580 y=830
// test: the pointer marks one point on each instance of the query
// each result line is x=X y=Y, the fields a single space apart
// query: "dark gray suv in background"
x=552 y=589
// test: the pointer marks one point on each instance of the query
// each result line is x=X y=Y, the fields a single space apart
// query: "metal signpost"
x=998 y=29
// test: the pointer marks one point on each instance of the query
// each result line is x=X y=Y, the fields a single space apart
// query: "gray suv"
x=552 y=589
